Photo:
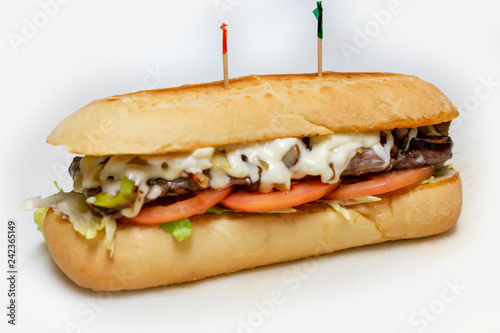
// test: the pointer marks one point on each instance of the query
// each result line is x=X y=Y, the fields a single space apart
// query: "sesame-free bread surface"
x=256 y=107
x=146 y=256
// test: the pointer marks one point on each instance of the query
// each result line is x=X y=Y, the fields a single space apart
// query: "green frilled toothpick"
x=318 y=12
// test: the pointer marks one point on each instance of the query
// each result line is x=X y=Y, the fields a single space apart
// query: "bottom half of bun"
x=146 y=256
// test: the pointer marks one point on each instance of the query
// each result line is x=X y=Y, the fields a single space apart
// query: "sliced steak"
x=422 y=151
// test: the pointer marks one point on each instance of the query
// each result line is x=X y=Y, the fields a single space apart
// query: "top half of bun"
x=256 y=107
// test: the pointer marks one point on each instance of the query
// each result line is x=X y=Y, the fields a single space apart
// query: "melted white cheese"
x=327 y=156
x=412 y=133
x=266 y=158
x=330 y=154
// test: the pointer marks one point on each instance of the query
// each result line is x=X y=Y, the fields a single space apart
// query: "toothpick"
x=320 y=57
x=318 y=12
x=224 y=55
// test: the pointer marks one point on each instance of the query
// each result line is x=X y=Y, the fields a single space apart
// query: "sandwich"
x=179 y=184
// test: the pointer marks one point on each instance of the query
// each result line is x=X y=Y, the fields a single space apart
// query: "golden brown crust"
x=146 y=256
x=256 y=107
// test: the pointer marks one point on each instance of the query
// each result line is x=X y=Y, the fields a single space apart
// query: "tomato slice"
x=181 y=209
x=299 y=193
x=381 y=183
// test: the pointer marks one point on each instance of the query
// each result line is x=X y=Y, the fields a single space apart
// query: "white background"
x=85 y=50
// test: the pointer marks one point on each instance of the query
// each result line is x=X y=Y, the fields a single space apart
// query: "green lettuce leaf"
x=58 y=187
x=109 y=228
x=428 y=180
x=335 y=205
x=73 y=206
x=443 y=170
x=219 y=210
x=279 y=211
x=359 y=200
x=79 y=213
x=126 y=195
x=438 y=173
x=355 y=201
x=180 y=229
x=338 y=205
x=39 y=217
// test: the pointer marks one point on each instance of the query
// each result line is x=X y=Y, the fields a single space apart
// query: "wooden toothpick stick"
x=320 y=57
x=224 y=55
x=318 y=12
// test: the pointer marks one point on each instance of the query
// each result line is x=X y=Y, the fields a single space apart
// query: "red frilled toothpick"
x=224 y=55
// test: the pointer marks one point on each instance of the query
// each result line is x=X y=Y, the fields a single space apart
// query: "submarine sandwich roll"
x=179 y=184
